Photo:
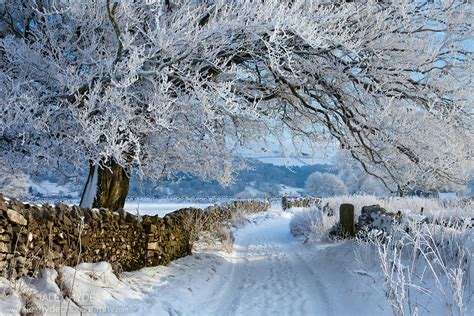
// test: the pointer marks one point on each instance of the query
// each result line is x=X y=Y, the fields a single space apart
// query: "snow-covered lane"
x=268 y=276
x=269 y=273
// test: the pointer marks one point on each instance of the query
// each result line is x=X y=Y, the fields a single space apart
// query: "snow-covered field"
x=146 y=206
x=162 y=207
x=269 y=272
x=48 y=188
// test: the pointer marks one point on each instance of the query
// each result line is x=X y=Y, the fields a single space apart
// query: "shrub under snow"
x=311 y=224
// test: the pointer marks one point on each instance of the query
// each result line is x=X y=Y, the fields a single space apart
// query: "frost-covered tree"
x=356 y=179
x=359 y=182
x=13 y=183
x=321 y=184
x=171 y=86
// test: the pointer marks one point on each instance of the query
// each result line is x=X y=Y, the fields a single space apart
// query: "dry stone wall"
x=223 y=213
x=33 y=237
x=287 y=203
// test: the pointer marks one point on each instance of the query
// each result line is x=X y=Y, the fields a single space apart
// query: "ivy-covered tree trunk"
x=107 y=186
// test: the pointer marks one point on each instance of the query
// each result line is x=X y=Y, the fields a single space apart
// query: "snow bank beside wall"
x=34 y=237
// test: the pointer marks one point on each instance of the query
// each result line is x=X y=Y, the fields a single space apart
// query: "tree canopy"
x=180 y=86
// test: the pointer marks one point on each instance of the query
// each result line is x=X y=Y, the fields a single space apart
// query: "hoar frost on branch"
x=180 y=86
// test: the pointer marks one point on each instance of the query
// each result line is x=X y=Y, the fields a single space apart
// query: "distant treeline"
x=262 y=176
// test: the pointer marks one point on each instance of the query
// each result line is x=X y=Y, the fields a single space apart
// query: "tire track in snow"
x=268 y=276
x=313 y=282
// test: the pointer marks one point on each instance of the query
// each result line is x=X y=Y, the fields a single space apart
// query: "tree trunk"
x=106 y=187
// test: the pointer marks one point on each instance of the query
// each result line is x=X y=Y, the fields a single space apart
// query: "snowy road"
x=269 y=273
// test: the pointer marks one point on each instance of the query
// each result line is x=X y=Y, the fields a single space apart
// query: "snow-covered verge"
x=427 y=268
x=88 y=288
x=311 y=224
x=425 y=263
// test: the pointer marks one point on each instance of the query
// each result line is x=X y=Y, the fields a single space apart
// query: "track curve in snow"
x=268 y=275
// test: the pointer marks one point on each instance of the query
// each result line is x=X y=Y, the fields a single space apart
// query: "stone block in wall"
x=61 y=207
x=376 y=217
x=106 y=215
x=5 y=247
x=121 y=214
x=5 y=227
x=3 y=205
x=16 y=205
x=154 y=245
x=130 y=218
x=15 y=217
x=150 y=228
x=3 y=263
